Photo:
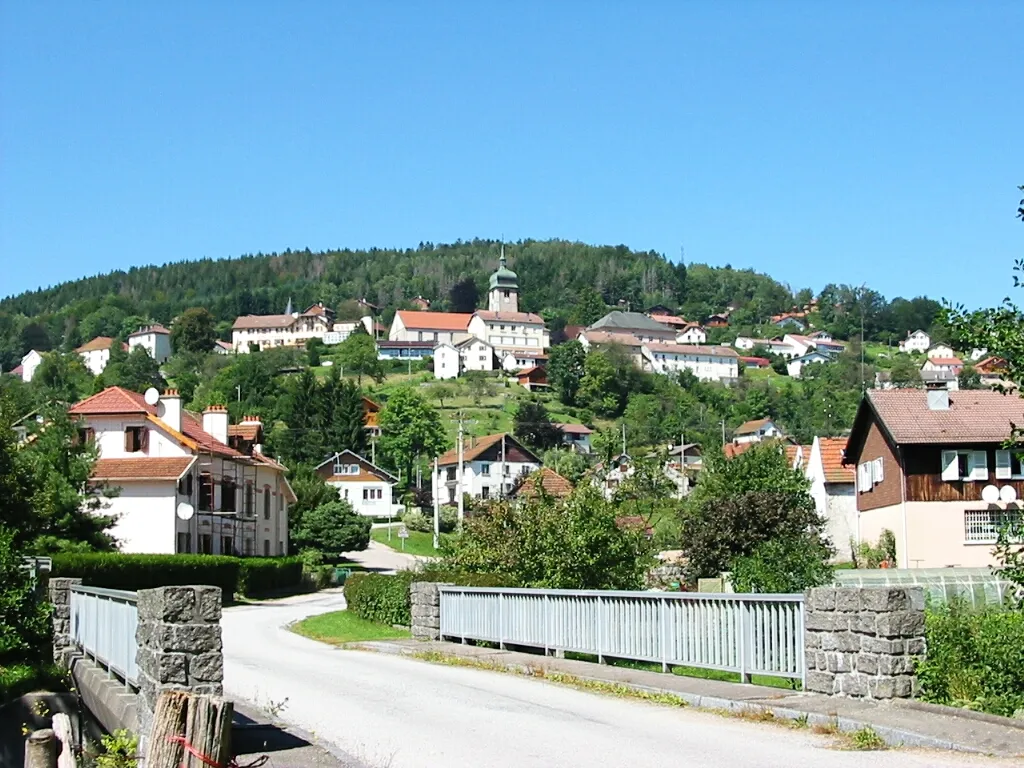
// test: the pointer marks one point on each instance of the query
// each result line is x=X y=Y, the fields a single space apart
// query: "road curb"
x=893 y=737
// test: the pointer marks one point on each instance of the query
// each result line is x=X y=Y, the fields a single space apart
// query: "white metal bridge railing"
x=103 y=624
x=746 y=634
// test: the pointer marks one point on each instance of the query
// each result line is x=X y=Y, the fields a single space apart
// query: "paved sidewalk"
x=253 y=736
x=896 y=722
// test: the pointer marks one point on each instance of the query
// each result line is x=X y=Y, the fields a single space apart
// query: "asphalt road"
x=385 y=711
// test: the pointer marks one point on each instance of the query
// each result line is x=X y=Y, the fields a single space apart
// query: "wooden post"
x=62 y=730
x=187 y=728
x=41 y=749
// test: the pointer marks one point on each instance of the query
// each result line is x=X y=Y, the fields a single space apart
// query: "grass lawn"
x=418 y=543
x=344 y=627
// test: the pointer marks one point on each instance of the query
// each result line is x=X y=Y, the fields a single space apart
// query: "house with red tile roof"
x=755 y=431
x=187 y=483
x=439 y=327
x=155 y=339
x=834 y=492
x=490 y=466
x=360 y=482
x=932 y=466
x=544 y=483
x=576 y=436
x=286 y=330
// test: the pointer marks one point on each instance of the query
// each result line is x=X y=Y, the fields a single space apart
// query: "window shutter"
x=862 y=483
x=128 y=446
x=1003 y=470
x=950 y=467
x=143 y=439
x=877 y=471
x=979 y=465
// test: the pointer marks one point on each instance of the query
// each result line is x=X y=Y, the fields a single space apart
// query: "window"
x=451 y=474
x=1008 y=465
x=982 y=526
x=250 y=499
x=353 y=469
x=228 y=497
x=227 y=545
x=185 y=486
x=339 y=468
x=184 y=543
x=965 y=465
x=136 y=439
x=266 y=547
x=205 y=491
x=485 y=492
x=205 y=544
x=506 y=470
x=86 y=435
x=485 y=470
x=266 y=502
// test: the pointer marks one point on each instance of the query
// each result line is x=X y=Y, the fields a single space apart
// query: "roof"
x=472 y=447
x=973 y=416
x=223 y=344
x=150 y=329
x=574 y=429
x=629 y=321
x=991 y=364
x=471 y=341
x=605 y=337
x=114 y=401
x=523 y=354
x=945 y=360
x=832 y=450
x=814 y=353
x=550 y=484
x=533 y=370
x=756 y=360
x=691 y=349
x=100 y=342
x=155 y=468
x=671 y=320
x=248 y=432
x=750 y=427
x=18 y=369
x=510 y=317
x=435 y=321
x=259 y=322
x=352 y=456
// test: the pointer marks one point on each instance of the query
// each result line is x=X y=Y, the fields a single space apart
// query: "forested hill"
x=557 y=278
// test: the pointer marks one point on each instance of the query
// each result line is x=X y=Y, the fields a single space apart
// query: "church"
x=497 y=337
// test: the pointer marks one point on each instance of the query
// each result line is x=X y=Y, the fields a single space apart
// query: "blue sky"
x=872 y=142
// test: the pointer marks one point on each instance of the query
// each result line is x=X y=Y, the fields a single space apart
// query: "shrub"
x=975 y=658
x=259 y=575
x=783 y=566
x=333 y=528
x=384 y=599
x=24 y=616
x=416 y=520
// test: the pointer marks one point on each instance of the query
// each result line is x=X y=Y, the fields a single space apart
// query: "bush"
x=416 y=520
x=115 y=570
x=975 y=659
x=783 y=566
x=333 y=528
x=384 y=599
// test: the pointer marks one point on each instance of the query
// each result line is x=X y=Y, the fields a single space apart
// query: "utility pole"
x=723 y=432
x=437 y=506
x=373 y=451
x=623 y=438
x=238 y=388
x=462 y=503
x=503 y=465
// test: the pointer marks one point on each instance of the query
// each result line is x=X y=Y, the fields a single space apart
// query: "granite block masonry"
x=60 y=598
x=861 y=641
x=179 y=644
x=425 y=604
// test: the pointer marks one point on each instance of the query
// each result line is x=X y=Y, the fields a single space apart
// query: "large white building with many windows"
x=292 y=329
x=185 y=483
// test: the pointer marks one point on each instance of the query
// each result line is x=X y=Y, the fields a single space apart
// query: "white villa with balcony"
x=187 y=483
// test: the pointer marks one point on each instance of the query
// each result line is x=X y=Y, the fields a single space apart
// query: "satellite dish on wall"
x=152 y=396
x=185 y=511
x=990 y=494
x=1007 y=493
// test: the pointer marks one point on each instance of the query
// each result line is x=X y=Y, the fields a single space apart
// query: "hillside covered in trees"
x=558 y=279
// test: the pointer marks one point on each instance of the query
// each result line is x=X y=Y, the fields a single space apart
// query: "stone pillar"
x=41 y=749
x=861 y=641
x=60 y=598
x=179 y=645
x=425 y=604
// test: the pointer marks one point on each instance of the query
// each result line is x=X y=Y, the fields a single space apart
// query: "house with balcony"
x=365 y=486
x=576 y=436
x=185 y=483
x=155 y=339
x=492 y=466
x=933 y=467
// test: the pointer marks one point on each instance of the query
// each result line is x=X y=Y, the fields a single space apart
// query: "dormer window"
x=136 y=439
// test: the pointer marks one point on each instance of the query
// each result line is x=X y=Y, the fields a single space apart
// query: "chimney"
x=938 y=396
x=168 y=409
x=215 y=422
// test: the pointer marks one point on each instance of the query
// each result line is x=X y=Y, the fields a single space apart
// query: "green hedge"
x=384 y=599
x=234 y=575
x=975 y=659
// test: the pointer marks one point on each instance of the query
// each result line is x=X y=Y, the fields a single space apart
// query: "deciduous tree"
x=358 y=354
x=410 y=427
x=194 y=331
x=565 y=369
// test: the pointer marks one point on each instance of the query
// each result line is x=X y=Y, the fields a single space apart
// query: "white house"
x=491 y=466
x=341 y=330
x=939 y=351
x=447 y=361
x=364 y=485
x=692 y=333
x=155 y=339
x=952 y=364
x=292 y=329
x=755 y=431
x=833 y=489
x=795 y=366
x=222 y=347
x=797 y=345
x=576 y=436
x=29 y=363
x=513 y=360
x=96 y=353
x=439 y=327
x=918 y=341
x=746 y=342
x=706 y=363
x=510 y=331
x=187 y=484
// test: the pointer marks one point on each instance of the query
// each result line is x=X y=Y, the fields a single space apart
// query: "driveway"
x=377 y=557
x=387 y=711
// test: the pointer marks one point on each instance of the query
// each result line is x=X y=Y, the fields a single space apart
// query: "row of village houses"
x=931 y=465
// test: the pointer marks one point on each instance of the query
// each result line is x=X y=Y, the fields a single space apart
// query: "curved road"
x=391 y=712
